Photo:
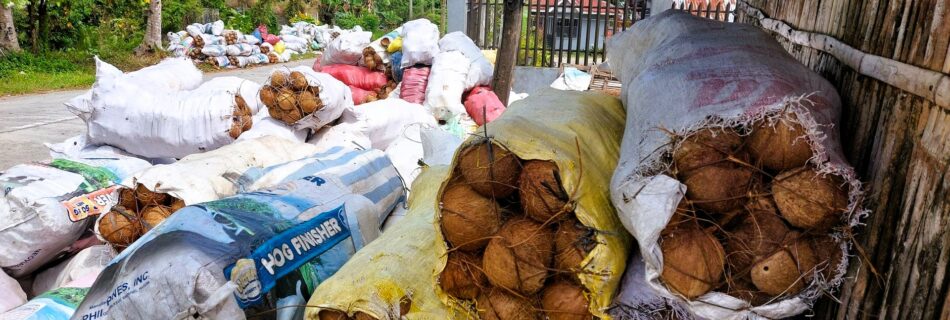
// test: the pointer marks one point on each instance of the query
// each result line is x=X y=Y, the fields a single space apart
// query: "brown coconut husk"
x=279 y=79
x=756 y=237
x=572 y=242
x=127 y=199
x=562 y=300
x=154 y=215
x=286 y=100
x=779 y=144
x=268 y=96
x=828 y=254
x=148 y=198
x=293 y=116
x=706 y=147
x=684 y=214
x=519 y=256
x=119 y=227
x=787 y=271
x=693 y=261
x=542 y=196
x=247 y=122
x=405 y=304
x=298 y=81
x=468 y=218
x=497 y=304
x=236 y=129
x=330 y=314
x=808 y=200
x=462 y=277
x=360 y=315
x=308 y=102
x=719 y=188
x=490 y=169
x=176 y=204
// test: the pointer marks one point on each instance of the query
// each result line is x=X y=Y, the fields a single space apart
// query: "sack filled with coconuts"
x=731 y=177
x=305 y=99
x=159 y=124
x=247 y=254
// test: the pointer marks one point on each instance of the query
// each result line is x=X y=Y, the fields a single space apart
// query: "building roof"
x=585 y=6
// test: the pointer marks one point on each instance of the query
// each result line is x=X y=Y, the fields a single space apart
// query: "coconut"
x=718 y=188
x=371 y=97
x=542 y=196
x=779 y=144
x=308 y=102
x=743 y=288
x=757 y=236
x=683 y=214
x=120 y=229
x=788 y=270
x=828 y=255
x=127 y=199
x=247 y=122
x=293 y=116
x=572 y=242
x=330 y=314
x=298 y=81
x=405 y=304
x=154 y=215
x=500 y=305
x=562 y=300
x=809 y=200
x=693 y=261
x=268 y=96
x=177 y=204
x=706 y=147
x=279 y=79
x=462 y=277
x=315 y=90
x=468 y=218
x=360 y=315
x=286 y=100
x=148 y=198
x=519 y=256
x=235 y=131
x=369 y=62
x=495 y=176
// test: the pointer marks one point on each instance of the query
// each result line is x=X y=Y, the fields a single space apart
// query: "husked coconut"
x=562 y=300
x=127 y=199
x=743 y=288
x=298 y=81
x=246 y=123
x=462 y=277
x=148 y=198
x=468 y=218
x=693 y=261
x=542 y=196
x=718 y=188
x=154 y=215
x=706 y=147
x=279 y=79
x=519 y=256
x=120 y=229
x=499 y=305
x=177 y=204
x=809 y=200
x=268 y=96
x=360 y=315
x=235 y=130
x=779 y=143
x=490 y=169
x=572 y=242
x=330 y=314
x=787 y=271
x=758 y=236
x=286 y=100
x=828 y=255
x=308 y=102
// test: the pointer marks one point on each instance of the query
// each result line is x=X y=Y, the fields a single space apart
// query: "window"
x=567 y=28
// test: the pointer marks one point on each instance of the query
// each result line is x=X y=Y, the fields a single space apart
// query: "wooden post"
x=508 y=53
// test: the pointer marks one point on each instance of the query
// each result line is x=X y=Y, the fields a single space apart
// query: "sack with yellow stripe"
x=520 y=227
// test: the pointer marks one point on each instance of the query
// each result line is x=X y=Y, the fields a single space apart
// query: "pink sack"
x=272 y=39
x=359 y=95
x=356 y=76
x=414 y=81
x=483 y=105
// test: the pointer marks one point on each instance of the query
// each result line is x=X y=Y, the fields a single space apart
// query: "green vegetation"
x=60 y=37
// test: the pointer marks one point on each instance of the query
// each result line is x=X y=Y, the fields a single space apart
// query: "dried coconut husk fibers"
x=541 y=193
x=490 y=169
x=497 y=304
x=716 y=173
x=562 y=300
x=462 y=277
x=572 y=242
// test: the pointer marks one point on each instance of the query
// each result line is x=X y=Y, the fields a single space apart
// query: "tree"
x=153 y=29
x=8 y=37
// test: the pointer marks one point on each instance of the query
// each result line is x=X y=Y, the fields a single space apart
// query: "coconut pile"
x=289 y=96
x=515 y=245
x=757 y=219
x=138 y=211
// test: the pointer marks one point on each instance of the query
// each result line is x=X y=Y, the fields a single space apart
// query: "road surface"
x=27 y=121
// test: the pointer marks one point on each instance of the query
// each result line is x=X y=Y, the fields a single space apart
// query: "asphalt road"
x=27 y=121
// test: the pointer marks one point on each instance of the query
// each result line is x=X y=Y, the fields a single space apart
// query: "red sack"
x=414 y=81
x=483 y=105
x=262 y=28
x=317 y=65
x=356 y=76
x=361 y=96
x=272 y=39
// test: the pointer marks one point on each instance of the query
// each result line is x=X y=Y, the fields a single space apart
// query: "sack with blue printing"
x=255 y=251
x=58 y=304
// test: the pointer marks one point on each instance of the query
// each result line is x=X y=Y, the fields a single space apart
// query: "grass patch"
x=35 y=82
